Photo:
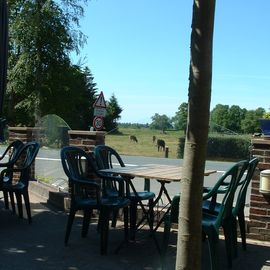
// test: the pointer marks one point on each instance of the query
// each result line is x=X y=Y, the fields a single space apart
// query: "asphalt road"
x=48 y=166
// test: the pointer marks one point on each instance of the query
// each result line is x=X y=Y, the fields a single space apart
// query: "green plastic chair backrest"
x=231 y=177
x=79 y=167
x=25 y=158
x=223 y=187
x=12 y=151
x=241 y=198
x=105 y=156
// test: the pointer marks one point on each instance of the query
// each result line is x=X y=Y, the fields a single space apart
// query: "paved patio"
x=41 y=246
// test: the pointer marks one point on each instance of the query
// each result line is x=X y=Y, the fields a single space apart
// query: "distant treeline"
x=133 y=125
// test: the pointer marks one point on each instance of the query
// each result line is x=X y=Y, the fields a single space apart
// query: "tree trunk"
x=189 y=234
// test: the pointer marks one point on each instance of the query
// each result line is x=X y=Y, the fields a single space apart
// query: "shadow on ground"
x=40 y=245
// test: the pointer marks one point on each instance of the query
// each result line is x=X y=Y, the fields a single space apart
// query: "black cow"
x=133 y=138
x=161 y=144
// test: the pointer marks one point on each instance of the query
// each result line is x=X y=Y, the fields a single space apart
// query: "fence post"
x=166 y=152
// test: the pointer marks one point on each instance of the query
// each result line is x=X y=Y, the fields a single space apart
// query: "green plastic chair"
x=86 y=194
x=24 y=160
x=238 y=209
x=7 y=160
x=211 y=222
x=105 y=157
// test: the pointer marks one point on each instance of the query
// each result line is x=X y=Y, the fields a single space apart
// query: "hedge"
x=222 y=147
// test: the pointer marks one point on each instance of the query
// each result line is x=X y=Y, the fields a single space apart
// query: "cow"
x=133 y=138
x=161 y=144
x=154 y=139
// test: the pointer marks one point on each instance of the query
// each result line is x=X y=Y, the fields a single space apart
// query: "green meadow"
x=145 y=146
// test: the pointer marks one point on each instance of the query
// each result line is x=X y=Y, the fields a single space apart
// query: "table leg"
x=162 y=191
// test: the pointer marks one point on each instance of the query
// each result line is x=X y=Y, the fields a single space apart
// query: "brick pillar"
x=25 y=134
x=87 y=140
x=259 y=224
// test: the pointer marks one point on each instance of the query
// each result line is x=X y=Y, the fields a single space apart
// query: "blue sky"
x=139 y=50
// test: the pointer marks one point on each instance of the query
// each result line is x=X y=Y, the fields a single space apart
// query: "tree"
x=250 y=123
x=236 y=115
x=220 y=117
x=72 y=98
x=113 y=114
x=224 y=117
x=161 y=122
x=180 y=118
x=189 y=231
x=42 y=35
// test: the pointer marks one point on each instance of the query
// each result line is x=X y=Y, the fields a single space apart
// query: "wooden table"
x=162 y=173
x=168 y=173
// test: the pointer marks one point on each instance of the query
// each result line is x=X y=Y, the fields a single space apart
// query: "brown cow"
x=154 y=139
x=133 y=138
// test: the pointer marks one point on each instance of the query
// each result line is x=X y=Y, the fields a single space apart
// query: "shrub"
x=222 y=147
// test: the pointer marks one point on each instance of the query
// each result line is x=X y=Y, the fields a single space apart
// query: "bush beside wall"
x=223 y=147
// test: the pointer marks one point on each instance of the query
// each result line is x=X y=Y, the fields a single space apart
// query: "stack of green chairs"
x=213 y=218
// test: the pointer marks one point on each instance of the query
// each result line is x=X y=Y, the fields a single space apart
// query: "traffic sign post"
x=99 y=112
x=100 y=102
x=98 y=123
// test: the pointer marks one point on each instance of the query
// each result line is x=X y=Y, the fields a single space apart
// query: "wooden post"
x=166 y=152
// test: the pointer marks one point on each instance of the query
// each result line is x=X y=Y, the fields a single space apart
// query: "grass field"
x=145 y=145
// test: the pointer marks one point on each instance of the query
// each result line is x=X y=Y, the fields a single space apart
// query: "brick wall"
x=25 y=134
x=259 y=216
x=87 y=140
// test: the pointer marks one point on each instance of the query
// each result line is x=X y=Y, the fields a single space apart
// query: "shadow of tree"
x=40 y=245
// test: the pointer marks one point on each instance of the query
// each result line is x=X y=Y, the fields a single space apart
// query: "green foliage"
x=226 y=117
x=72 y=98
x=234 y=119
x=160 y=122
x=250 y=123
x=41 y=78
x=180 y=118
x=112 y=115
x=223 y=147
x=132 y=125
x=266 y=115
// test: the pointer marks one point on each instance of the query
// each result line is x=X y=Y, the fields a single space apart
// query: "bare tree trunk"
x=189 y=234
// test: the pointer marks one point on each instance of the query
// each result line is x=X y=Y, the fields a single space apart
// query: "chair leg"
x=19 y=204
x=69 y=224
x=86 y=221
x=228 y=242
x=151 y=213
x=133 y=219
x=114 y=218
x=27 y=205
x=5 y=193
x=234 y=237
x=104 y=227
x=12 y=202
x=213 y=243
x=125 y=210
x=165 y=240
x=242 y=225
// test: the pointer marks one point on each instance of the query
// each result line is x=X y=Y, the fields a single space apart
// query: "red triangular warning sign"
x=100 y=101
